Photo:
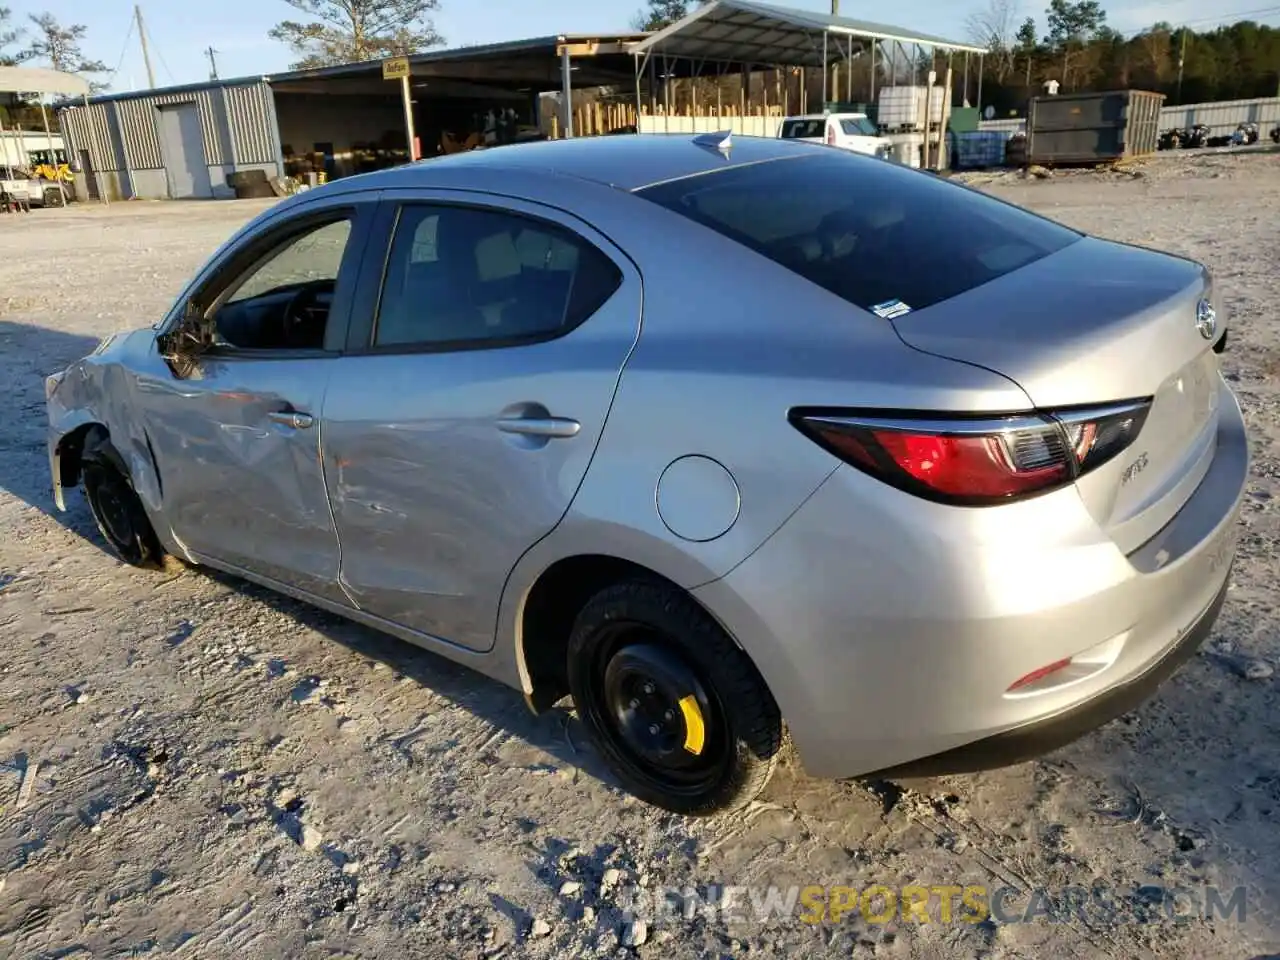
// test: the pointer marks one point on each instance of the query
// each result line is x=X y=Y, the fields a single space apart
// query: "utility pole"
x=1182 y=58
x=146 y=54
x=834 y=71
x=212 y=54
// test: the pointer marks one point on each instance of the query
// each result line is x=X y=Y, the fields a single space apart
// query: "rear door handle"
x=292 y=418
x=540 y=426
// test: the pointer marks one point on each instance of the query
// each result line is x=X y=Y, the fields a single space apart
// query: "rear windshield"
x=858 y=127
x=803 y=129
x=882 y=236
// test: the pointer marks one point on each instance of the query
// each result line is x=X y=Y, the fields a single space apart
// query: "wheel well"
x=71 y=449
x=553 y=604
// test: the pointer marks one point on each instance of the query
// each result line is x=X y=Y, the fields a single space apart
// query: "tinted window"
x=859 y=127
x=459 y=274
x=868 y=231
x=803 y=129
x=282 y=302
x=315 y=256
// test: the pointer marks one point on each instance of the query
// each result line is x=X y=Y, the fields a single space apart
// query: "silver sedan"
x=721 y=438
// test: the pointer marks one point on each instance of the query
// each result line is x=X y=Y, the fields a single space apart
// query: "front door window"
x=283 y=301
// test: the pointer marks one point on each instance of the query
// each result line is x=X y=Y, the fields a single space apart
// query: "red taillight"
x=967 y=466
x=831 y=135
x=976 y=461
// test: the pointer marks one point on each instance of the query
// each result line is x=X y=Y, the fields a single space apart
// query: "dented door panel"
x=445 y=466
x=241 y=484
x=237 y=442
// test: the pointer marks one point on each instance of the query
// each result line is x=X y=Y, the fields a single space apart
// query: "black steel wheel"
x=678 y=712
x=118 y=512
x=54 y=197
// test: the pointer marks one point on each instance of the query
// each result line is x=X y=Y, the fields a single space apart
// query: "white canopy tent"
x=42 y=81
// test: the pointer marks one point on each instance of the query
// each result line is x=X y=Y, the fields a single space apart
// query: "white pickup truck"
x=850 y=131
x=36 y=192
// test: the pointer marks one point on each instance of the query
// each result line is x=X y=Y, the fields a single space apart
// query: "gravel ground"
x=192 y=766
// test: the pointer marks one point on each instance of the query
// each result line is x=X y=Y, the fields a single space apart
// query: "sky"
x=181 y=30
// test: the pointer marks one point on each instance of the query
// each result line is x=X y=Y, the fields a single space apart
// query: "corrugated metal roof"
x=547 y=45
x=492 y=51
x=190 y=88
x=744 y=31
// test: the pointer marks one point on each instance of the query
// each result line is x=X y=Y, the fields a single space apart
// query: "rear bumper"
x=1048 y=734
x=891 y=630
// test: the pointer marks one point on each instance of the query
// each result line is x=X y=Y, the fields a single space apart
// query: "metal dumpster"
x=1093 y=127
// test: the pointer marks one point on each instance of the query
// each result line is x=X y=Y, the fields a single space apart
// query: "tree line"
x=1082 y=52
x=43 y=41
x=1079 y=50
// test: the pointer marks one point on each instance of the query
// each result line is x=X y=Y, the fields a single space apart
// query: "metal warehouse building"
x=184 y=142
x=181 y=142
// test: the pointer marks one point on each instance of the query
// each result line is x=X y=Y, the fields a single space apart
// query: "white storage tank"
x=903 y=107
x=908 y=148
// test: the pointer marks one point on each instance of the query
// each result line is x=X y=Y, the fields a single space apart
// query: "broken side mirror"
x=184 y=345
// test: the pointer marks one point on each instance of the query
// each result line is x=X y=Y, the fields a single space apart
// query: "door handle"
x=292 y=418
x=540 y=426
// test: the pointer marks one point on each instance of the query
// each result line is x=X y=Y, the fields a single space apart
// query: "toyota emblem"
x=1206 y=319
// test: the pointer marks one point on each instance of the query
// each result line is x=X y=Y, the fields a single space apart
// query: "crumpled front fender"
x=96 y=390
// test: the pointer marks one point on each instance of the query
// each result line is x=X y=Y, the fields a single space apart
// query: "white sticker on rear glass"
x=890 y=309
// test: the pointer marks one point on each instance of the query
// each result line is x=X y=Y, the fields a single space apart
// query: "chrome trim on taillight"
x=944 y=428
x=1078 y=414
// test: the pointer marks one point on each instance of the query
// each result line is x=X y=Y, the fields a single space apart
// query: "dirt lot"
x=191 y=766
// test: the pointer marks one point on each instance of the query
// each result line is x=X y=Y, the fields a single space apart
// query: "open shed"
x=486 y=94
x=736 y=36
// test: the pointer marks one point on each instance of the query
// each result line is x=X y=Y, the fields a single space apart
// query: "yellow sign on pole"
x=397 y=68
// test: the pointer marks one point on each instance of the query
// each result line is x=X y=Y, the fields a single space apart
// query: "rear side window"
x=872 y=232
x=802 y=129
x=467 y=275
x=858 y=127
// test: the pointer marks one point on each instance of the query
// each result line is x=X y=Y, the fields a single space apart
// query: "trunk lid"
x=1094 y=323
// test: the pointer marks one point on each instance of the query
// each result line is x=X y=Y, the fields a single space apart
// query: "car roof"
x=627 y=161
x=823 y=116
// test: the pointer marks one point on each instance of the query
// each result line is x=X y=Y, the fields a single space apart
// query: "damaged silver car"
x=712 y=436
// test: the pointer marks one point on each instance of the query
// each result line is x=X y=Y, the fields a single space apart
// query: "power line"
x=1236 y=15
x=124 y=48
x=160 y=55
x=166 y=67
